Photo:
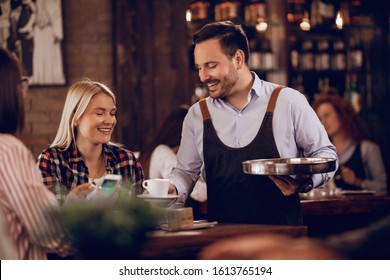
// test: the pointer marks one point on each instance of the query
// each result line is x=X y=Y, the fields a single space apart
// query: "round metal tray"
x=289 y=166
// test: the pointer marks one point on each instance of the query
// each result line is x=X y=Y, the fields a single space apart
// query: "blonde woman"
x=81 y=153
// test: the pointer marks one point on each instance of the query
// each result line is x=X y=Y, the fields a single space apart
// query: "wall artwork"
x=33 y=30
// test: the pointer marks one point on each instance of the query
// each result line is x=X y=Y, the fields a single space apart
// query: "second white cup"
x=157 y=187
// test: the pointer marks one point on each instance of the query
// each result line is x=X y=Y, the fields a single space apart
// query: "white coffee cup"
x=157 y=187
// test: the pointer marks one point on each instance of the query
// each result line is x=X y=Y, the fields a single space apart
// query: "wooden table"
x=339 y=205
x=187 y=244
x=331 y=215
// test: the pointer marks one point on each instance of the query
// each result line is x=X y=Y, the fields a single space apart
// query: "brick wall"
x=88 y=52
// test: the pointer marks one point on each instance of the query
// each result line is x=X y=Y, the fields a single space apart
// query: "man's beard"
x=226 y=85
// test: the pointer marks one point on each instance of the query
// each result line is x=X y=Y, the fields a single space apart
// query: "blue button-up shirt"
x=297 y=131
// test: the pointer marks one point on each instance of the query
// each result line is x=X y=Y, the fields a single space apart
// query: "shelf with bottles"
x=253 y=15
x=319 y=54
x=332 y=14
x=328 y=42
x=258 y=21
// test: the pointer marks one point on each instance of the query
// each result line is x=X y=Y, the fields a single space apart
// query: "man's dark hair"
x=231 y=37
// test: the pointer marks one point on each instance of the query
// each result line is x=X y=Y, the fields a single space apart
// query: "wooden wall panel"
x=151 y=64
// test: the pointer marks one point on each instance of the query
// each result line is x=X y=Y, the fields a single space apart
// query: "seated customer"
x=361 y=164
x=25 y=203
x=7 y=247
x=81 y=153
x=159 y=157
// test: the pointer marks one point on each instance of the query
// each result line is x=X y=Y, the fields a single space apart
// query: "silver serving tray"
x=289 y=166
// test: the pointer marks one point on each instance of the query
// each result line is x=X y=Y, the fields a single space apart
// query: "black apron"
x=236 y=197
x=356 y=164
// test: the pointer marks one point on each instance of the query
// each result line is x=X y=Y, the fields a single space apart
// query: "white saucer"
x=160 y=201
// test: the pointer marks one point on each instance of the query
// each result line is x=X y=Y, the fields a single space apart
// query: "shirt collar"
x=257 y=85
x=75 y=156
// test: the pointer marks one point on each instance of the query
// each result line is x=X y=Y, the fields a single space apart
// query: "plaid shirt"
x=69 y=169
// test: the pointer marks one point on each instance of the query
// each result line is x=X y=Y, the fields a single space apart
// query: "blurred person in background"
x=82 y=152
x=361 y=164
x=368 y=243
x=27 y=207
x=159 y=157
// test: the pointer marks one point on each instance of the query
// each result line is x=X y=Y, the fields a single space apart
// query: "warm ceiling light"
x=305 y=24
x=261 y=25
x=339 y=20
x=188 y=15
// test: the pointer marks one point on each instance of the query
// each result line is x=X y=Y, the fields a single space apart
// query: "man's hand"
x=172 y=189
x=288 y=185
x=349 y=177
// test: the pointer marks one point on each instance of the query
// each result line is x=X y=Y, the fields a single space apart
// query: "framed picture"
x=33 y=30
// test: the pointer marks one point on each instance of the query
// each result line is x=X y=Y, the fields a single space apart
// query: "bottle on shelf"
x=294 y=53
x=355 y=95
x=227 y=10
x=307 y=63
x=199 y=10
x=314 y=16
x=268 y=61
x=338 y=60
x=327 y=12
x=355 y=54
x=295 y=10
x=322 y=12
x=255 y=56
x=322 y=57
x=355 y=12
x=255 y=12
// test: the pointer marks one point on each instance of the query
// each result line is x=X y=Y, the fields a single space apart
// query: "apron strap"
x=270 y=108
x=204 y=109
x=274 y=97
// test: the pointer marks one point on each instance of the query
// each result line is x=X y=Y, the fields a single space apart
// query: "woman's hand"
x=81 y=191
x=349 y=177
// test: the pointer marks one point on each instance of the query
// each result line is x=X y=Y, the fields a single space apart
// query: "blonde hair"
x=78 y=97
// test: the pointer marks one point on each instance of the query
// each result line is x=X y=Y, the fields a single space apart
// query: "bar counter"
x=339 y=205
x=334 y=214
x=187 y=244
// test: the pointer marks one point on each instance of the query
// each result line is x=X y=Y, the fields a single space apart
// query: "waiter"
x=245 y=118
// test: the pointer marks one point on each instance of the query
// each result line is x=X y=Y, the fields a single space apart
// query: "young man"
x=240 y=121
